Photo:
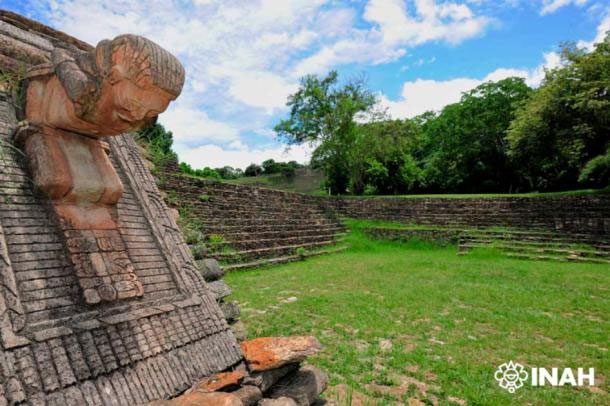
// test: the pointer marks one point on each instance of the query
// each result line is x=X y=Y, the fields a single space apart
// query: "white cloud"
x=602 y=29
x=550 y=6
x=420 y=96
x=192 y=126
x=429 y=21
x=240 y=156
x=261 y=89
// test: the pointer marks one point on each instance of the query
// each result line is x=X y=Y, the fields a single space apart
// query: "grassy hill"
x=306 y=180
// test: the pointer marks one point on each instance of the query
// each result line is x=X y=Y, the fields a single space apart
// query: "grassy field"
x=413 y=321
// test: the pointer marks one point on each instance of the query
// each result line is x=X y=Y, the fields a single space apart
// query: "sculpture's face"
x=126 y=106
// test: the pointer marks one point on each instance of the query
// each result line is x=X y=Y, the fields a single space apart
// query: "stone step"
x=280 y=260
x=283 y=233
x=540 y=250
x=242 y=256
x=223 y=230
x=266 y=221
x=255 y=243
x=560 y=243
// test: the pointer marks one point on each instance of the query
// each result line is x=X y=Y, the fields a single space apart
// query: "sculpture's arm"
x=78 y=85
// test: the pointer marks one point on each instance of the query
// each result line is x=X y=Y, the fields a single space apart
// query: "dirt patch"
x=344 y=395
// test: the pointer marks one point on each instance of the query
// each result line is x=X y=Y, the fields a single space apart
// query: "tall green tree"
x=464 y=148
x=323 y=112
x=384 y=158
x=566 y=123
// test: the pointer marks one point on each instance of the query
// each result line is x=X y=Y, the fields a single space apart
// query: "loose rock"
x=249 y=395
x=266 y=379
x=304 y=386
x=206 y=399
x=210 y=269
x=219 y=381
x=277 y=402
x=266 y=353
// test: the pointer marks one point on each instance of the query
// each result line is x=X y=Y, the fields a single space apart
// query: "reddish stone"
x=219 y=381
x=266 y=353
x=206 y=399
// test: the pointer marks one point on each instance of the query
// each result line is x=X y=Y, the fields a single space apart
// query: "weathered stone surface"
x=249 y=395
x=266 y=379
x=278 y=402
x=56 y=349
x=266 y=353
x=230 y=310
x=219 y=381
x=303 y=386
x=220 y=289
x=210 y=269
x=203 y=399
x=71 y=103
x=239 y=330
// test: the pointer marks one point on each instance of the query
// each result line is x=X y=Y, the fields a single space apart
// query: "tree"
x=228 y=172
x=158 y=142
x=271 y=167
x=464 y=148
x=253 y=170
x=322 y=112
x=384 y=161
x=566 y=123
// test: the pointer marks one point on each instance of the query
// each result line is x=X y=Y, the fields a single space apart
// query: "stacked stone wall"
x=570 y=214
x=254 y=225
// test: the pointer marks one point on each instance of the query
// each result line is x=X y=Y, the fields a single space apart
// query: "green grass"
x=451 y=320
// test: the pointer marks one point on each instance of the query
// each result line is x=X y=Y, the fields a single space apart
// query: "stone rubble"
x=273 y=376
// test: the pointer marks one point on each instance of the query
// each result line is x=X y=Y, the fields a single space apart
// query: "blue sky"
x=244 y=57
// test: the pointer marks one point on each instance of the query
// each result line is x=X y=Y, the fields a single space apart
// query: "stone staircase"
x=538 y=244
x=246 y=227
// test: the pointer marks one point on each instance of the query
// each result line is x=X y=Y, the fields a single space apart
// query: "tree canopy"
x=500 y=137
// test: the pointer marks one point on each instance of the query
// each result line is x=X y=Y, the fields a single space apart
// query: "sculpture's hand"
x=78 y=85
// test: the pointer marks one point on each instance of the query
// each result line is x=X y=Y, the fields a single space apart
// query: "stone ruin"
x=101 y=302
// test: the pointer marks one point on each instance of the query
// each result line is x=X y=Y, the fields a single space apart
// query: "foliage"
x=253 y=170
x=596 y=171
x=463 y=149
x=200 y=173
x=158 y=142
x=566 y=123
x=322 y=112
x=287 y=169
x=383 y=158
x=228 y=172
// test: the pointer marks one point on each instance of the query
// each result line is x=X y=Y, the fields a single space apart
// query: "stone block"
x=248 y=394
x=303 y=386
x=210 y=269
x=267 y=353
x=220 y=289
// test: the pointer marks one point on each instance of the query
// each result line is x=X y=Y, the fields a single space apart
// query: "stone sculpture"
x=71 y=105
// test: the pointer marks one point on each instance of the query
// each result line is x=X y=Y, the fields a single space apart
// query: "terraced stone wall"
x=571 y=214
x=249 y=226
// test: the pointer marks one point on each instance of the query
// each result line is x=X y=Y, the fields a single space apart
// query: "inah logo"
x=511 y=376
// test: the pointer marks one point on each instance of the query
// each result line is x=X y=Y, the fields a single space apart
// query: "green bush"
x=597 y=171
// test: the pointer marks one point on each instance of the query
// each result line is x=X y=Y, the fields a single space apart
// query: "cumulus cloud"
x=420 y=96
x=192 y=126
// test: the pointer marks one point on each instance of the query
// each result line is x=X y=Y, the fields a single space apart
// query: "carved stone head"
x=121 y=86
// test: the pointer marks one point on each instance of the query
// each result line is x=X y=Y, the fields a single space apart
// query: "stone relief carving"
x=71 y=105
